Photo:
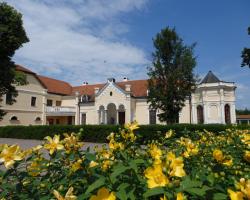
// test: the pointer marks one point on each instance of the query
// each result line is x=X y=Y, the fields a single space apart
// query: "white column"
x=77 y=114
x=233 y=113
x=105 y=116
x=222 y=111
x=44 y=119
x=194 y=114
x=117 y=116
x=205 y=109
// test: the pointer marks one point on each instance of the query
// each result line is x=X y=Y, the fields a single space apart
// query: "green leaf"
x=219 y=196
x=90 y=156
x=98 y=183
x=153 y=192
x=117 y=171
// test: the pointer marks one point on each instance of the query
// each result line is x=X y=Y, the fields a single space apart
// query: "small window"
x=14 y=118
x=33 y=101
x=57 y=121
x=84 y=118
x=49 y=102
x=152 y=117
x=9 y=98
x=58 y=103
x=38 y=119
x=111 y=94
x=84 y=98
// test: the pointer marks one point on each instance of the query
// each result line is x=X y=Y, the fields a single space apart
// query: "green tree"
x=246 y=55
x=171 y=77
x=12 y=36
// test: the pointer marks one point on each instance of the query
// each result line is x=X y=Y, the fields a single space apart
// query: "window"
x=49 y=102
x=111 y=94
x=8 y=98
x=38 y=119
x=84 y=98
x=227 y=114
x=200 y=116
x=57 y=121
x=58 y=103
x=33 y=101
x=152 y=116
x=14 y=118
x=84 y=118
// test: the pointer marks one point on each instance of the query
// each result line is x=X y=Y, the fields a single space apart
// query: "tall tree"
x=246 y=55
x=12 y=36
x=171 y=77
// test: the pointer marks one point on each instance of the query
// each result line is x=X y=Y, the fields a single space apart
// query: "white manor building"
x=49 y=101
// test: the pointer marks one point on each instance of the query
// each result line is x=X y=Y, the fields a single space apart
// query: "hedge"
x=98 y=133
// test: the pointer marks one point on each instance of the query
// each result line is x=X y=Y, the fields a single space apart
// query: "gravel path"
x=26 y=144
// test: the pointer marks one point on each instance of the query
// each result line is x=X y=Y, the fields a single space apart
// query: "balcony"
x=60 y=111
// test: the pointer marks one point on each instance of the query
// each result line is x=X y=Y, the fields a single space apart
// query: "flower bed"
x=197 y=166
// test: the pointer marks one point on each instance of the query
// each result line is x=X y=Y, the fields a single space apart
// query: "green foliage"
x=127 y=170
x=246 y=55
x=243 y=112
x=99 y=133
x=12 y=36
x=171 y=78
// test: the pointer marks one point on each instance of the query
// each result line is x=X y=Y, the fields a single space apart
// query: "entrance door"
x=121 y=118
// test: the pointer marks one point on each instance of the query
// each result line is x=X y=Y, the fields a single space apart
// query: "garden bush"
x=207 y=167
x=98 y=133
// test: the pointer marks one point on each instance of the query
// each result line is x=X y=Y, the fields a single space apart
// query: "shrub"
x=98 y=133
x=211 y=166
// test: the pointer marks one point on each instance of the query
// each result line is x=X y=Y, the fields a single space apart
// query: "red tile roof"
x=138 y=88
x=23 y=69
x=243 y=116
x=56 y=86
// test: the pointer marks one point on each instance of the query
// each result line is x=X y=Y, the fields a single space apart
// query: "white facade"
x=116 y=103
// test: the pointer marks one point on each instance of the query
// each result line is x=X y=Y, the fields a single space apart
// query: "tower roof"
x=210 y=78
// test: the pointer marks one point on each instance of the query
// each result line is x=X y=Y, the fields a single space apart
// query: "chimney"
x=85 y=83
x=128 y=88
x=125 y=79
x=96 y=90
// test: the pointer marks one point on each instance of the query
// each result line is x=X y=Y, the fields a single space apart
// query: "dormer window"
x=84 y=98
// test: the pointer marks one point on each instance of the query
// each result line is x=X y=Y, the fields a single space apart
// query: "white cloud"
x=78 y=41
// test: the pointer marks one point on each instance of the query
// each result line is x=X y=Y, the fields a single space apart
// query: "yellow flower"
x=106 y=164
x=115 y=145
x=176 y=165
x=244 y=186
x=155 y=177
x=155 y=152
x=132 y=126
x=180 y=196
x=76 y=165
x=235 y=195
x=69 y=195
x=169 y=134
x=247 y=156
x=71 y=143
x=163 y=198
x=53 y=144
x=228 y=162
x=33 y=168
x=218 y=155
x=103 y=194
x=93 y=164
x=10 y=154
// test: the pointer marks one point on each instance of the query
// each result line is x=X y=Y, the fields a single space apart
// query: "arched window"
x=200 y=115
x=227 y=114
x=14 y=118
x=38 y=119
x=84 y=98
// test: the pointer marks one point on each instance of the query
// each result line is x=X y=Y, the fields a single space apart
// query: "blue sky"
x=91 y=40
